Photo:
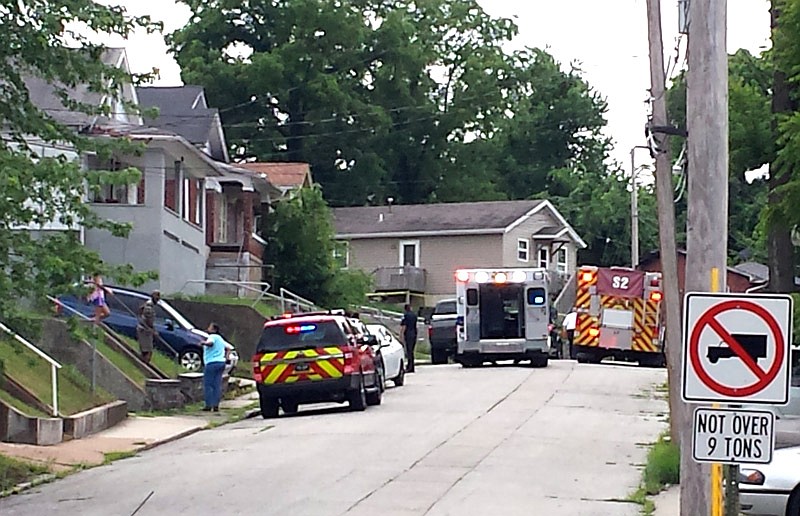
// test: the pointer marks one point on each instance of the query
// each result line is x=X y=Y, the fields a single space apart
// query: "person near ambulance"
x=569 y=324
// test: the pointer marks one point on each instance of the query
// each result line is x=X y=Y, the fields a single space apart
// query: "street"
x=566 y=440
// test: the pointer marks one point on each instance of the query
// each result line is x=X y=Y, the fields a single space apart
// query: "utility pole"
x=679 y=416
x=707 y=222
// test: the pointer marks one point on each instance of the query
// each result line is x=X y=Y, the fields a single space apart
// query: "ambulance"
x=619 y=315
x=503 y=314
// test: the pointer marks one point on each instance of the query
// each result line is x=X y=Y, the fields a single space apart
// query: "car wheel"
x=793 y=506
x=381 y=375
x=191 y=359
x=269 y=407
x=289 y=406
x=357 y=399
x=375 y=397
x=438 y=356
x=400 y=379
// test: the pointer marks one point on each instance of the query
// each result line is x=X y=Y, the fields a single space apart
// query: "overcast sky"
x=608 y=39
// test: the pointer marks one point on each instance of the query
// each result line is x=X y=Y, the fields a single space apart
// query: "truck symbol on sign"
x=754 y=345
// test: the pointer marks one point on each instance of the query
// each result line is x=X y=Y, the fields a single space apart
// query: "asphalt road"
x=566 y=440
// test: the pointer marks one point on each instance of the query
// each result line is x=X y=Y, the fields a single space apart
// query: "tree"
x=43 y=38
x=299 y=235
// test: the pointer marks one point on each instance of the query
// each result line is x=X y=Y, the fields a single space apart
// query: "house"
x=166 y=208
x=287 y=177
x=236 y=201
x=759 y=271
x=736 y=280
x=414 y=250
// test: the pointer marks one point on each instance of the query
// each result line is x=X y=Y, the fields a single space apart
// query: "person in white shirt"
x=569 y=324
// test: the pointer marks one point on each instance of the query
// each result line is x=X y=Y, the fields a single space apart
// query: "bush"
x=663 y=466
x=346 y=289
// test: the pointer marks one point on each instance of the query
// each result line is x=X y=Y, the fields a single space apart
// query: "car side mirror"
x=169 y=324
x=371 y=340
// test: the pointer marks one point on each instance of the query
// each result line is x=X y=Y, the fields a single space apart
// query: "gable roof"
x=442 y=219
x=183 y=110
x=655 y=255
x=283 y=175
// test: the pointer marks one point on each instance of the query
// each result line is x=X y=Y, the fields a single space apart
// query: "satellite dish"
x=795 y=237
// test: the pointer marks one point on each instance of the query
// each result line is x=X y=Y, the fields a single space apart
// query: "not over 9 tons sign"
x=731 y=436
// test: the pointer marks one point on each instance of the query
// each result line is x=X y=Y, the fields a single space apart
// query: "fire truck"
x=619 y=316
x=503 y=314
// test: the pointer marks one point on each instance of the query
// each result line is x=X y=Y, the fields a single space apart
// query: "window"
x=544 y=257
x=172 y=187
x=409 y=253
x=522 y=250
x=341 y=254
x=117 y=193
x=472 y=297
x=193 y=200
x=561 y=260
x=221 y=229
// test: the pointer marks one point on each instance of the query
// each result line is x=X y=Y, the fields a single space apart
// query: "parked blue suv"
x=181 y=335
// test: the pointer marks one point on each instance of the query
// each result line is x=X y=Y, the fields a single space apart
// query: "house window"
x=221 y=226
x=341 y=254
x=544 y=257
x=117 y=193
x=172 y=187
x=409 y=253
x=561 y=260
x=192 y=200
x=522 y=250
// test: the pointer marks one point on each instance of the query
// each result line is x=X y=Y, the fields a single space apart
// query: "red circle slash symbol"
x=763 y=378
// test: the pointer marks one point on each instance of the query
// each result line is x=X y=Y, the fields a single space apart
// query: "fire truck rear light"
x=586 y=277
x=462 y=276
x=594 y=332
x=656 y=296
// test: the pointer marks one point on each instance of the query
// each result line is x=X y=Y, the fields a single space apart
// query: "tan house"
x=414 y=250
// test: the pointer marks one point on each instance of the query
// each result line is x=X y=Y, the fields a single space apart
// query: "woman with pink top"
x=97 y=298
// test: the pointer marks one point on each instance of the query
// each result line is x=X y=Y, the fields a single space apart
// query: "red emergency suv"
x=314 y=358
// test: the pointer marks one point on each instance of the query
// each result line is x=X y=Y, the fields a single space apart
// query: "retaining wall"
x=16 y=427
x=95 y=420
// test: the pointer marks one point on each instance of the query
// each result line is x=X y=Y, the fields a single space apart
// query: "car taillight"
x=257 y=369
x=430 y=331
x=352 y=362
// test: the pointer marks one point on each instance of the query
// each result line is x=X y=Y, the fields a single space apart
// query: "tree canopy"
x=417 y=101
x=44 y=39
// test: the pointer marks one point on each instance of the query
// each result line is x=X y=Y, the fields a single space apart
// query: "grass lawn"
x=122 y=362
x=21 y=406
x=164 y=363
x=13 y=472
x=74 y=390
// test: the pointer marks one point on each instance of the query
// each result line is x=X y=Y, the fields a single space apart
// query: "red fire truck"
x=619 y=316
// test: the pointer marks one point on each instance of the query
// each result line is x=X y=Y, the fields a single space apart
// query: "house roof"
x=758 y=272
x=494 y=217
x=282 y=175
x=43 y=94
x=654 y=255
x=183 y=109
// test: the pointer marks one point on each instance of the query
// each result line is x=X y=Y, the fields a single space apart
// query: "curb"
x=37 y=481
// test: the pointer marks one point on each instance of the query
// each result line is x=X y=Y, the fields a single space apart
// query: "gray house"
x=414 y=250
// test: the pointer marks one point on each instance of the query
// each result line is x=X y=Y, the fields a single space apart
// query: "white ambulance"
x=503 y=314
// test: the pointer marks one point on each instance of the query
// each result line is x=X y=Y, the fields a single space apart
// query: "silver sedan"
x=772 y=489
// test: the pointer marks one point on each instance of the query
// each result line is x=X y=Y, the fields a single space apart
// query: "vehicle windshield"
x=301 y=335
x=445 y=308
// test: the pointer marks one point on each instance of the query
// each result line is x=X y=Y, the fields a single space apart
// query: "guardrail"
x=54 y=366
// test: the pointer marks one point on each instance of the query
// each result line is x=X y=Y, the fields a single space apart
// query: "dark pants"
x=570 y=339
x=411 y=343
x=212 y=383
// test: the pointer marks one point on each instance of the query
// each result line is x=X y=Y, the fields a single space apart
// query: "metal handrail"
x=241 y=284
x=54 y=366
x=295 y=299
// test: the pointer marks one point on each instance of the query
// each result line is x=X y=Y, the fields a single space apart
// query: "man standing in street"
x=408 y=331
x=570 y=321
x=145 y=327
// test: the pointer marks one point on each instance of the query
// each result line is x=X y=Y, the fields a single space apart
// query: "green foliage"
x=300 y=244
x=663 y=466
x=39 y=188
x=395 y=98
x=14 y=472
x=752 y=144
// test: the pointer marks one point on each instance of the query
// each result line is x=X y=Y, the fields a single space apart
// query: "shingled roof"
x=452 y=218
x=283 y=175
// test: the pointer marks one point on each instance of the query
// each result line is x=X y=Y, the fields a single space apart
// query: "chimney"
x=390 y=201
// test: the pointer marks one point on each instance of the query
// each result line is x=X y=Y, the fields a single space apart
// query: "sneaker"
x=206 y=409
x=215 y=409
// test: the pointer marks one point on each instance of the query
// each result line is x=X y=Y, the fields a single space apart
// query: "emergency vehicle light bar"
x=301 y=329
x=499 y=277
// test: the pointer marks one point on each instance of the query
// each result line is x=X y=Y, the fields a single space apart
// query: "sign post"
x=736 y=351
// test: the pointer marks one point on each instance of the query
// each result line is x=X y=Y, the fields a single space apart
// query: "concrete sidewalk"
x=135 y=434
x=668 y=503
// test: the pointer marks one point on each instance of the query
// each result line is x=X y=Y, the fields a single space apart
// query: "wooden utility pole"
x=666 y=221
x=707 y=220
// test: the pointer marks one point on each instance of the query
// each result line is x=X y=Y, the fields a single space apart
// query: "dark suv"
x=314 y=358
x=179 y=335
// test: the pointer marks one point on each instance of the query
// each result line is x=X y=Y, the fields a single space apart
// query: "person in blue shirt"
x=215 y=353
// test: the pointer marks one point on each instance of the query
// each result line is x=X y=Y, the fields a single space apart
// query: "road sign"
x=736 y=348
x=730 y=436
